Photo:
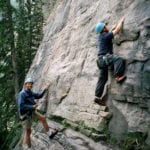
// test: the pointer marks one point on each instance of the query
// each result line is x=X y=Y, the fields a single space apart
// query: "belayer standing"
x=106 y=58
x=27 y=110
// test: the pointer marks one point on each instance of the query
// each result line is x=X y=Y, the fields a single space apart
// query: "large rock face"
x=67 y=58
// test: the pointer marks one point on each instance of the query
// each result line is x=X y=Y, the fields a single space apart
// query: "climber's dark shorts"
x=27 y=123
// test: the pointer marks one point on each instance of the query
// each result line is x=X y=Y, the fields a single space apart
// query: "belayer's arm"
x=40 y=95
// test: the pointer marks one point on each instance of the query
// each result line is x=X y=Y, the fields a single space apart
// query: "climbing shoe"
x=99 y=101
x=53 y=134
x=120 y=79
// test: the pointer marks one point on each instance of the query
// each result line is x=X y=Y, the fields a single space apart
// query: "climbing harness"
x=104 y=60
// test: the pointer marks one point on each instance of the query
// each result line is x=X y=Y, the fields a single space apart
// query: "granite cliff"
x=67 y=58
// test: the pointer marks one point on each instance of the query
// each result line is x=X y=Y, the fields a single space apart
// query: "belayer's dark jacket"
x=26 y=100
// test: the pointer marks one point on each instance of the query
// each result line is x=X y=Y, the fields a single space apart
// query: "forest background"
x=21 y=25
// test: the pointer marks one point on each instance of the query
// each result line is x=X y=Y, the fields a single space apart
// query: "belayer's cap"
x=29 y=80
x=99 y=27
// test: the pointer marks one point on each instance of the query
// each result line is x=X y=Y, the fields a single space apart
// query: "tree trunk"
x=13 y=53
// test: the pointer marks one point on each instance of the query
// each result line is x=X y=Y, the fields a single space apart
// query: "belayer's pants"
x=119 y=68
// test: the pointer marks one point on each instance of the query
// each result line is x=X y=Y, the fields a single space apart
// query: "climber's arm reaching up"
x=118 y=26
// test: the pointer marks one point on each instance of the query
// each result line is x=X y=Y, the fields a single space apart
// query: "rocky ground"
x=66 y=139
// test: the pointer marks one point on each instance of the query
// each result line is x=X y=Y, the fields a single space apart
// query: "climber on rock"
x=106 y=58
x=27 y=108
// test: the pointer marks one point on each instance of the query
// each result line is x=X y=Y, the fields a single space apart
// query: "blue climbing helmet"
x=29 y=80
x=99 y=27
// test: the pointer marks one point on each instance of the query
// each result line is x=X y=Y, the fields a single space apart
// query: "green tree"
x=20 y=34
x=7 y=71
x=28 y=25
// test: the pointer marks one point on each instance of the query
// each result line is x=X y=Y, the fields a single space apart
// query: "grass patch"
x=135 y=141
x=81 y=127
x=131 y=141
x=56 y=118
